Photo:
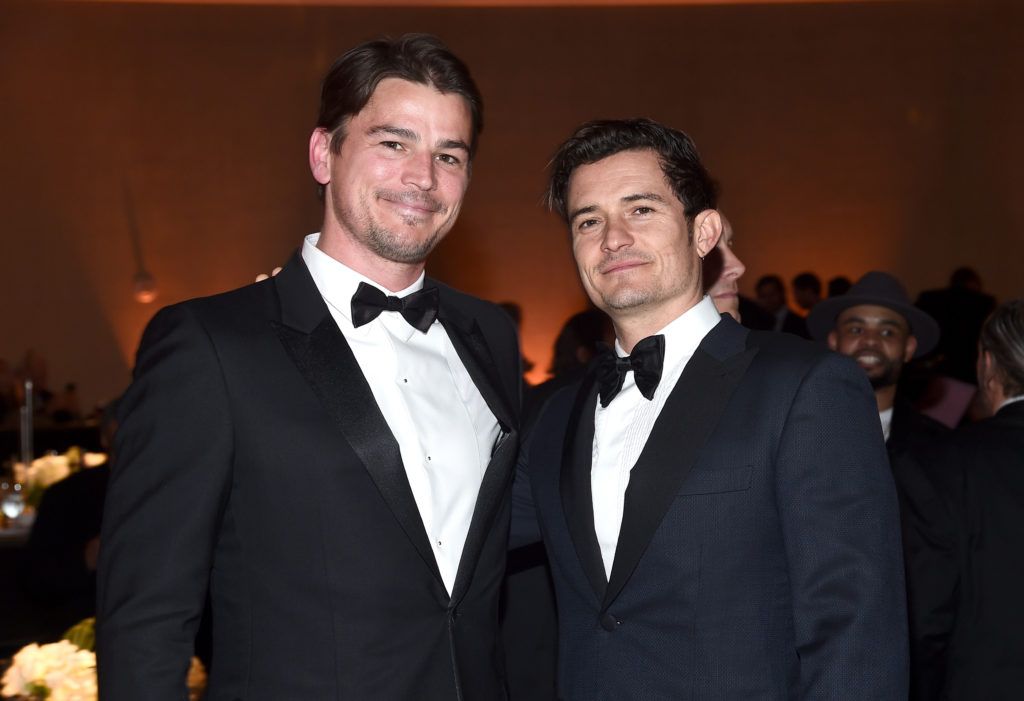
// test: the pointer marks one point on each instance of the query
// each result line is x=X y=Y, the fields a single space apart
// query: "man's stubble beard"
x=889 y=376
x=382 y=241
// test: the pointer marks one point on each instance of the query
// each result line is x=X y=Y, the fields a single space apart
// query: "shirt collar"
x=1011 y=400
x=337 y=282
x=684 y=334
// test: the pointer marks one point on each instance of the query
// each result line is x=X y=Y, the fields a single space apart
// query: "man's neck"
x=885 y=396
x=631 y=328
x=388 y=274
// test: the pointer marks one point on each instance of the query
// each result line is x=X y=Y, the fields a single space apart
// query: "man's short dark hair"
x=1003 y=337
x=807 y=281
x=597 y=140
x=417 y=58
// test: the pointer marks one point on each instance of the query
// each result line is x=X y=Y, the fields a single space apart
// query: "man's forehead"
x=873 y=313
x=398 y=96
x=622 y=174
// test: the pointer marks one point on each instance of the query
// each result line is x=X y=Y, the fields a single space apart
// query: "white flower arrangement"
x=66 y=670
x=58 y=671
x=43 y=471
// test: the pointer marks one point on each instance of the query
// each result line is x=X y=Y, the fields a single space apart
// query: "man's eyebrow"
x=448 y=144
x=582 y=210
x=400 y=132
x=643 y=196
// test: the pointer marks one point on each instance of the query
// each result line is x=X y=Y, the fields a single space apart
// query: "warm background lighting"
x=846 y=136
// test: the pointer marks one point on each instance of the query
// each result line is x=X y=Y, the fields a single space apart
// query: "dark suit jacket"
x=913 y=438
x=912 y=431
x=253 y=459
x=972 y=623
x=759 y=556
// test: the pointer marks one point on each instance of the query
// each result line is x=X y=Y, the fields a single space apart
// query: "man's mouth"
x=414 y=204
x=869 y=359
x=618 y=266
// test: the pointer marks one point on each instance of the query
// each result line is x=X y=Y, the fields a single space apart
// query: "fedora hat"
x=883 y=290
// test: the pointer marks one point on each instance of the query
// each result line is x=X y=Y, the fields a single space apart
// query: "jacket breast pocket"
x=717 y=481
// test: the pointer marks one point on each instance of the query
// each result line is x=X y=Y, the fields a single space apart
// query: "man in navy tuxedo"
x=716 y=502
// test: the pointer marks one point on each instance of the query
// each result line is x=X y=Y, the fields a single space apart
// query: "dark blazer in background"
x=252 y=455
x=759 y=556
x=795 y=324
x=970 y=629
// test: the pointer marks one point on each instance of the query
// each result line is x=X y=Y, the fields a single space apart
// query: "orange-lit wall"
x=846 y=137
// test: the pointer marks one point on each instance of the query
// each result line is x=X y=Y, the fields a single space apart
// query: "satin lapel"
x=577 y=498
x=686 y=421
x=324 y=358
x=472 y=349
x=469 y=343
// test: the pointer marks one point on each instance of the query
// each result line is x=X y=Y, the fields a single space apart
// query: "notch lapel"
x=686 y=421
x=577 y=498
x=321 y=353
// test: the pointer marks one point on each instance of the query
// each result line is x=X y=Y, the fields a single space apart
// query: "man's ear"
x=910 y=349
x=320 y=155
x=707 y=229
x=833 y=340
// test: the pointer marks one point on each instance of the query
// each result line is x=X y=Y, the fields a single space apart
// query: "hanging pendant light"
x=144 y=287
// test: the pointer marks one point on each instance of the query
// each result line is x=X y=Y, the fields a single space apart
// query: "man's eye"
x=586 y=224
x=643 y=210
x=449 y=159
x=393 y=145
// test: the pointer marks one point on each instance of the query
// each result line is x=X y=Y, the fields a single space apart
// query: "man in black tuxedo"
x=327 y=453
x=717 y=506
x=971 y=624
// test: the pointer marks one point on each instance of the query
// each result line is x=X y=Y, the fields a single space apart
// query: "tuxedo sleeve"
x=525 y=529
x=840 y=522
x=165 y=498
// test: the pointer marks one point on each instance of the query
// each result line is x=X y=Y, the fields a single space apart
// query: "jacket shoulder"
x=231 y=309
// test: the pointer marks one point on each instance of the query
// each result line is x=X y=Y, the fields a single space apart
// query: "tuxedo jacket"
x=254 y=464
x=969 y=636
x=759 y=554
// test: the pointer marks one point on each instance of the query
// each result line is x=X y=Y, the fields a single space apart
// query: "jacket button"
x=609 y=622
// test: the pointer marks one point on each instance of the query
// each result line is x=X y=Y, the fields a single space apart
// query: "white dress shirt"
x=886 y=418
x=445 y=430
x=622 y=428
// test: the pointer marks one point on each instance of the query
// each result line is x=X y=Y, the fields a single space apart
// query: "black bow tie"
x=419 y=308
x=645 y=361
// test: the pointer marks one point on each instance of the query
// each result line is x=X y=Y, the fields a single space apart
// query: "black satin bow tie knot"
x=645 y=361
x=418 y=308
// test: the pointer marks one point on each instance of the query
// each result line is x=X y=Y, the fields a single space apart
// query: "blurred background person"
x=577 y=343
x=806 y=291
x=771 y=295
x=876 y=325
x=968 y=640
x=722 y=271
x=960 y=310
x=839 y=285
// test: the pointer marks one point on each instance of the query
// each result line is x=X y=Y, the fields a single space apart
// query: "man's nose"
x=616 y=236
x=419 y=172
